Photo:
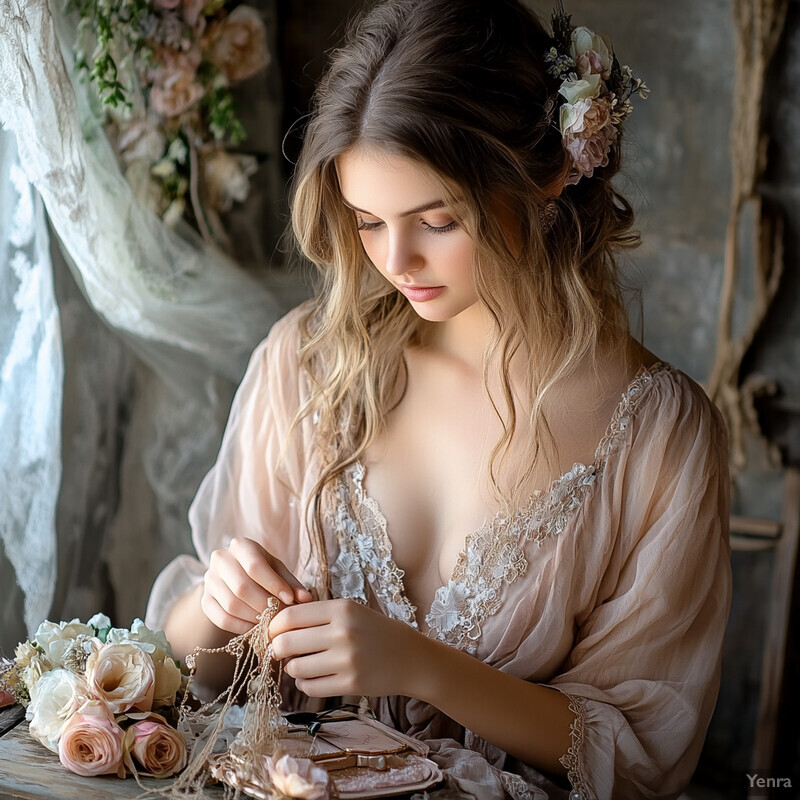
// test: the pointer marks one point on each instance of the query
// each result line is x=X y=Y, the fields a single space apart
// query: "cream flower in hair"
x=584 y=40
x=582 y=89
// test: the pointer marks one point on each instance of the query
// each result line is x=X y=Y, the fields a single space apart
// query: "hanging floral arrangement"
x=163 y=72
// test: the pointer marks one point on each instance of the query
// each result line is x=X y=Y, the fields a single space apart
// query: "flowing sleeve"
x=643 y=674
x=254 y=489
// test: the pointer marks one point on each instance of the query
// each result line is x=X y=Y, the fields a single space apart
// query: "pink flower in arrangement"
x=167 y=5
x=597 y=116
x=175 y=88
x=91 y=742
x=589 y=152
x=238 y=44
x=159 y=748
x=191 y=11
x=589 y=63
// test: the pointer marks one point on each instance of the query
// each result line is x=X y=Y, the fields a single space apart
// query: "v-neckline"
x=538 y=499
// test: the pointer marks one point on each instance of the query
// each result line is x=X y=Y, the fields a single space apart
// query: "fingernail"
x=286 y=597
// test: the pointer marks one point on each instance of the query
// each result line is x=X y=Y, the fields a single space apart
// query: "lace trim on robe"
x=571 y=760
x=365 y=552
x=491 y=556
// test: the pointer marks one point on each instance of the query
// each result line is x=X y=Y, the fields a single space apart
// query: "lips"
x=421 y=294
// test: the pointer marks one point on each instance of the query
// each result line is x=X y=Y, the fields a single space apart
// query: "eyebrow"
x=434 y=204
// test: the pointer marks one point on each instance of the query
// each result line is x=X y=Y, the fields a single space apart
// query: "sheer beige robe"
x=613 y=587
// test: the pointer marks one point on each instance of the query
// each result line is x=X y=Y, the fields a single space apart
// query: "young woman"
x=485 y=506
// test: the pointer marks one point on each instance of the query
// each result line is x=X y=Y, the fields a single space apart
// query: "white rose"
x=99 y=621
x=151 y=641
x=54 y=698
x=583 y=89
x=168 y=681
x=56 y=638
x=584 y=40
x=572 y=116
x=123 y=676
x=168 y=675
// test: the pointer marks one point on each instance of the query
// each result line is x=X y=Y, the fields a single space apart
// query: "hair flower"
x=596 y=89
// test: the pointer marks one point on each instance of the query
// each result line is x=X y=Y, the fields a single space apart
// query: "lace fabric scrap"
x=239 y=765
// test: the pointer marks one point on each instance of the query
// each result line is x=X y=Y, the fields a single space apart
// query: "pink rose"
x=159 y=748
x=597 y=116
x=166 y=4
x=191 y=11
x=589 y=63
x=589 y=153
x=123 y=676
x=91 y=742
x=238 y=44
x=175 y=88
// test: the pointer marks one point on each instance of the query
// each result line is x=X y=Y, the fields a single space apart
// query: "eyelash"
x=370 y=226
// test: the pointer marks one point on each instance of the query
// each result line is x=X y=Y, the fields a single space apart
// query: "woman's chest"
x=429 y=473
x=511 y=576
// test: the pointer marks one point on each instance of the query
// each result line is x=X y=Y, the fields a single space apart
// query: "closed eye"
x=436 y=229
x=366 y=226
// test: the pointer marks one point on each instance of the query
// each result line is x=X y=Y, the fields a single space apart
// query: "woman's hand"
x=340 y=647
x=238 y=582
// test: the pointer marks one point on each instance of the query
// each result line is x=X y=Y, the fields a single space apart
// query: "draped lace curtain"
x=188 y=313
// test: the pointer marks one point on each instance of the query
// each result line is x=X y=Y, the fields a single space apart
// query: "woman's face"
x=408 y=231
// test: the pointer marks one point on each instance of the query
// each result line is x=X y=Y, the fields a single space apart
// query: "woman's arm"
x=188 y=627
x=339 y=647
x=527 y=720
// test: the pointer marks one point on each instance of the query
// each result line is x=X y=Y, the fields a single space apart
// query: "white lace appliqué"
x=492 y=557
x=571 y=759
x=365 y=552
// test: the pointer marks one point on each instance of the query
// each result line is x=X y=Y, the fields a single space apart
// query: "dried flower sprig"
x=163 y=72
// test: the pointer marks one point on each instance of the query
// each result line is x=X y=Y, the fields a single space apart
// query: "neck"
x=463 y=338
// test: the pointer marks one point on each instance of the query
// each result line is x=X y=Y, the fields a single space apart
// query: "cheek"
x=373 y=248
x=461 y=256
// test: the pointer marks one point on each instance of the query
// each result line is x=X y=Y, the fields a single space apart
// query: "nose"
x=402 y=256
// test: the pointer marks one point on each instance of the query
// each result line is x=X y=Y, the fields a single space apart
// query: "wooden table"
x=29 y=771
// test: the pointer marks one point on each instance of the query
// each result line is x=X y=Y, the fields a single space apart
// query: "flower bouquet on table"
x=101 y=697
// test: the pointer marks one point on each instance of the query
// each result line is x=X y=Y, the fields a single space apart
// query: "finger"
x=268 y=572
x=227 y=572
x=303 y=595
x=307 y=667
x=217 y=615
x=299 y=642
x=306 y=615
x=230 y=602
x=329 y=686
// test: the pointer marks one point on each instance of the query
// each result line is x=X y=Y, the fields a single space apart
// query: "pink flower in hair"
x=589 y=63
x=589 y=152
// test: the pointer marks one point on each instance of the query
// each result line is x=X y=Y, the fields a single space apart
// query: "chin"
x=432 y=314
x=434 y=311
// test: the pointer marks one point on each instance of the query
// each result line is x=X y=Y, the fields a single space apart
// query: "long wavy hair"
x=461 y=88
